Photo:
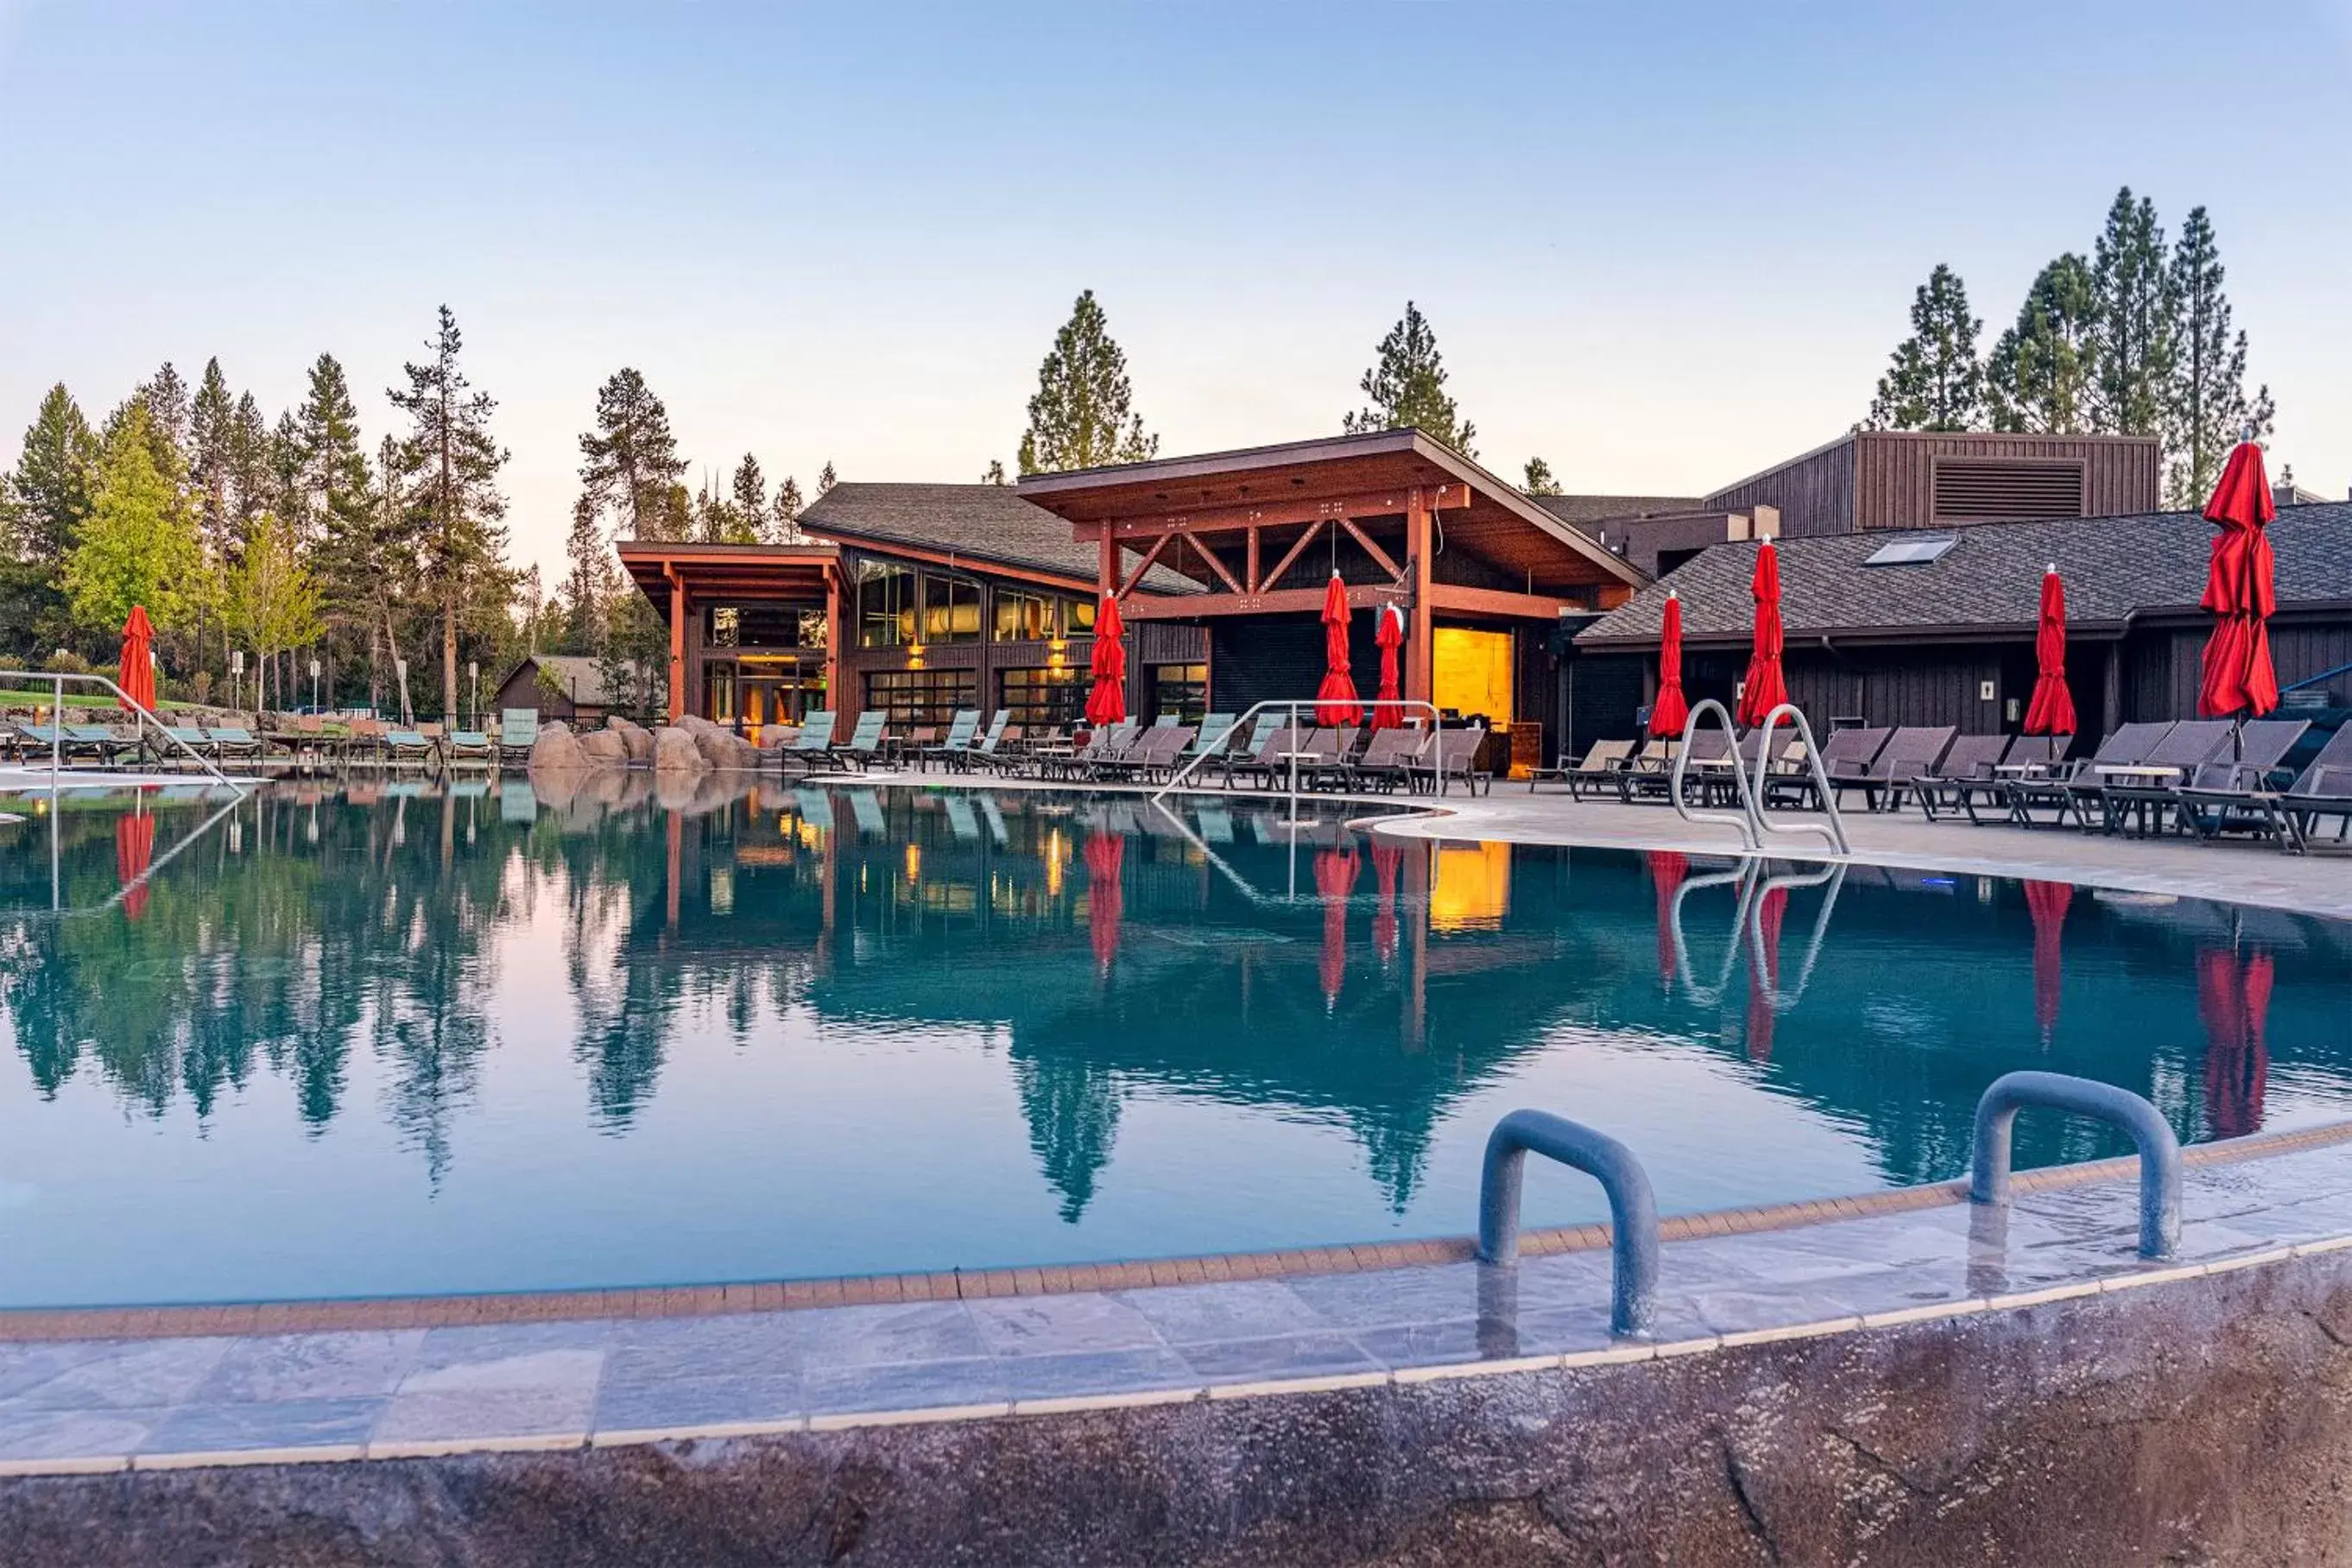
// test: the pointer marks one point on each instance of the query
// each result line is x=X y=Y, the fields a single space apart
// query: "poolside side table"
x=2133 y=774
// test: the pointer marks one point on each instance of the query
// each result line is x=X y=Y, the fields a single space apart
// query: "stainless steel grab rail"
x=1632 y=1211
x=2160 y=1149
x=1746 y=822
x=57 y=680
x=1833 y=825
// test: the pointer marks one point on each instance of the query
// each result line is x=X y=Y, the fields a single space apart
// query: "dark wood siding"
x=1604 y=692
x=1815 y=493
x=1886 y=479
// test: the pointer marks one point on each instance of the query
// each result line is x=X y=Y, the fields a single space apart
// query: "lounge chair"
x=950 y=749
x=1846 y=759
x=518 y=734
x=1705 y=775
x=1388 y=759
x=462 y=745
x=233 y=740
x=1968 y=765
x=1157 y=751
x=409 y=746
x=1455 y=756
x=2055 y=790
x=2229 y=794
x=1645 y=772
x=1913 y=750
x=998 y=747
x=865 y=746
x=1258 y=757
x=2140 y=801
x=2322 y=791
x=1600 y=766
x=181 y=740
x=811 y=750
x=1215 y=735
x=1108 y=744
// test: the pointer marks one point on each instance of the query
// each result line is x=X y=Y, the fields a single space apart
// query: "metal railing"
x=1832 y=825
x=1779 y=998
x=1239 y=735
x=1746 y=822
x=2159 y=1149
x=1632 y=1211
x=143 y=716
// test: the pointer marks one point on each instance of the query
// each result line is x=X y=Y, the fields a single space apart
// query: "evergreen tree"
x=212 y=436
x=1933 y=380
x=2038 y=379
x=451 y=465
x=286 y=496
x=1539 y=480
x=1407 y=387
x=750 y=493
x=824 y=479
x=1083 y=416
x=252 y=463
x=2132 y=324
x=2207 y=409
x=339 y=545
x=166 y=394
x=138 y=545
x=718 y=521
x=784 y=516
x=631 y=458
x=47 y=496
x=994 y=473
x=589 y=587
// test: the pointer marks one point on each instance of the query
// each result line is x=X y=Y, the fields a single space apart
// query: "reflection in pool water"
x=370 y=1041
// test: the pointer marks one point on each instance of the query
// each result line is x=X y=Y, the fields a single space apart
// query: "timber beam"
x=1275 y=513
x=1281 y=601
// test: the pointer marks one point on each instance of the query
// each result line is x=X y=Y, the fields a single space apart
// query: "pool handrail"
x=2159 y=1149
x=1832 y=825
x=141 y=715
x=1768 y=985
x=1632 y=1209
x=1750 y=832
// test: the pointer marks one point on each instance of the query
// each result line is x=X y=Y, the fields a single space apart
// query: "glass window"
x=885 y=605
x=726 y=626
x=1182 y=690
x=719 y=682
x=1023 y=617
x=951 y=608
x=1082 y=617
x=1040 y=698
x=912 y=696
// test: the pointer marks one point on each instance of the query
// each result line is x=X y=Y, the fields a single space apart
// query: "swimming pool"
x=395 y=1038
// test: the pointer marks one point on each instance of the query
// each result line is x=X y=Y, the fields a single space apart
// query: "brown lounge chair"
x=2234 y=794
x=1968 y=761
x=1455 y=756
x=2322 y=790
x=1388 y=759
x=2056 y=790
x=1911 y=750
x=1846 y=757
x=2139 y=803
x=1600 y=764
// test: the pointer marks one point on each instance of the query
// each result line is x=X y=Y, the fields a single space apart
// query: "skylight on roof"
x=1911 y=551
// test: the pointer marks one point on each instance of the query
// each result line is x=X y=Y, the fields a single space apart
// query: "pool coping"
x=27 y=1324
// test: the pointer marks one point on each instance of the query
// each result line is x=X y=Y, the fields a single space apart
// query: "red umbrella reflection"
x=1766 y=689
x=1667 y=869
x=1334 y=879
x=1764 y=978
x=2233 y=997
x=2239 y=591
x=2047 y=902
x=134 y=850
x=1387 y=860
x=1106 y=903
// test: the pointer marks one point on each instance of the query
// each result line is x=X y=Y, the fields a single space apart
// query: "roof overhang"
x=746 y=571
x=874 y=543
x=1484 y=515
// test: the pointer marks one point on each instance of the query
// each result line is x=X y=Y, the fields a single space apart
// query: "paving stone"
x=1287 y=1355
x=510 y=1412
x=906 y=1386
x=673 y=1404
x=37 y=1434
x=757 y=1345
x=1393 y=1297
x=875 y=1336
x=1057 y=1325
x=1104 y=1372
x=99 y=1374
x=311 y=1366
x=1237 y=1310
x=263 y=1423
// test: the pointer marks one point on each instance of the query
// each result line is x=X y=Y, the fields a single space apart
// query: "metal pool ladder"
x=1749 y=822
x=1754 y=826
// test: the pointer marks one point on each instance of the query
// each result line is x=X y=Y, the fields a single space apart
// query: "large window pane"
x=951 y=608
x=885 y=605
x=1043 y=698
x=912 y=696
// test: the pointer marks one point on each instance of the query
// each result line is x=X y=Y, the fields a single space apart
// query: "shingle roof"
x=985 y=523
x=1582 y=511
x=581 y=676
x=1990 y=580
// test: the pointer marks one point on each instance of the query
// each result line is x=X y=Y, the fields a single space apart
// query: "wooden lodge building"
x=1538 y=614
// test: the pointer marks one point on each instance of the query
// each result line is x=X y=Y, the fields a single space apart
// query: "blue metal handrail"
x=2159 y=1151
x=1633 y=1212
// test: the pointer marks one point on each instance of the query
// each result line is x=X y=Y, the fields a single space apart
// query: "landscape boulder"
x=604 y=749
x=676 y=752
x=636 y=737
x=724 y=748
x=557 y=749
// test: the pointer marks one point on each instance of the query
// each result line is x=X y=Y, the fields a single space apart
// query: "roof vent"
x=1976 y=491
x=1911 y=551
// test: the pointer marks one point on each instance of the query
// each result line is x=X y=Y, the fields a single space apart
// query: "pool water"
x=397 y=1039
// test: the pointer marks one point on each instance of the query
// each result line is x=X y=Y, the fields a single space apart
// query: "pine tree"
x=2132 y=321
x=631 y=458
x=46 y=499
x=750 y=493
x=824 y=479
x=589 y=587
x=166 y=394
x=252 y=463
x=451 y=465
x=1933 y=380
x=338 y=548
x=138 y=545
x=1083 y=416
x=1407 y=386
x=1539 y=480
x=2207 y=409
x=784 y=516
x=994 y=473
x=211 y=434
x=2038 y=379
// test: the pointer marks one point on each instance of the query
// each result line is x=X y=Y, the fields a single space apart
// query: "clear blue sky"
x=1661 y=245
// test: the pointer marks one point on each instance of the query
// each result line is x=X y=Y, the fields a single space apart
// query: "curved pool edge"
x=32 y=1324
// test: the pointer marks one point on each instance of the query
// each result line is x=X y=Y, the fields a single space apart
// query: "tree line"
x=2135 y=340
x=284 y=542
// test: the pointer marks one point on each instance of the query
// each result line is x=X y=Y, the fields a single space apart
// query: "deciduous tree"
x=2207 y=408
x=1407 y=386
x=1933 y=380
x=2039 y=376
x=138 y=545
x=273 y=601
x=1083 y=416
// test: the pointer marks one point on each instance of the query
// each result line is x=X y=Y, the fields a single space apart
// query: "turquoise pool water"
x=393 y=1039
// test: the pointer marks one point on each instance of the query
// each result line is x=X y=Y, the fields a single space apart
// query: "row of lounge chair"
x=2202 y=778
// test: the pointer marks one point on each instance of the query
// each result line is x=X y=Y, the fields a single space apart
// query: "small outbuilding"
x=564 y=686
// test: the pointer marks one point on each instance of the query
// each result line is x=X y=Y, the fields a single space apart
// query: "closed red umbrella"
x=1667 y=869
x=1335 y=880
x=2048 y=903
x=1389 y=633
x=1334 y=700
x=2239 y=590
x=1765 y=689
x=134 y=850
x=1764 y=978
x=2233 y=997
x=1107 y=703
x=1671 y=711
x=136 y=674
x=1106 y=901
x=2051 y=712
x=1386 y=860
